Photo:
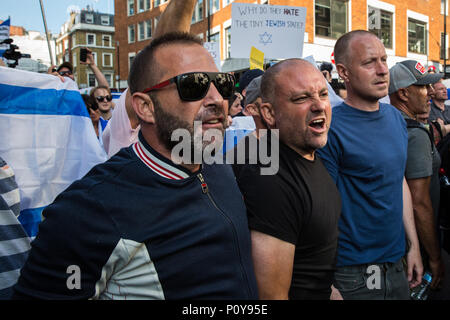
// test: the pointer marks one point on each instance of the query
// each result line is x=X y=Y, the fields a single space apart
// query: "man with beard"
x=140 y=226
x=410 y=92
x=366 y=157
x=293 y=214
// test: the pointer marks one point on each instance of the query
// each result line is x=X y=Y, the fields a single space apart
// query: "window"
x=141 y=6
x=331 y=18
x=148 y=29
x=417 y=36
x=90 y=39
x=131 y=34
x=91 y=80
x=198 y=12
x=147 y=4
x=226 y=2
x=380 y=24
x=107 y=59
x=215 y=37
x=141 y=31
x=131 y=56
x=105 y=20
x=130 y=7
x=214 y=6
x=158 y=2
x=89 y=17
x=74 y=40
x=66 y=44
x=228 y=42
x=94 y=55
x=444 y=7
x=108 y=77
x=106 y=40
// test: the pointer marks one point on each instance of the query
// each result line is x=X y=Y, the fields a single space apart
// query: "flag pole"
x=46 y=33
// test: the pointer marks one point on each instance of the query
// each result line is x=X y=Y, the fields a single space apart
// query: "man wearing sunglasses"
x=64 y=70
x=140 y=226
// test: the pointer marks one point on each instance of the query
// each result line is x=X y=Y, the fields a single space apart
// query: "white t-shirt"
x=118 y=133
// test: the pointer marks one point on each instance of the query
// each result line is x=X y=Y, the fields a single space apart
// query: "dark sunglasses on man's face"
x=64 y=73
x=194 y=86
x=101 y=98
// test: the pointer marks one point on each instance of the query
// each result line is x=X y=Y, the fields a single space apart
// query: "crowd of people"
x=352 y=212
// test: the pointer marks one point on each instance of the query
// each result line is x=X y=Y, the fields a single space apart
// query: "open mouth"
x=318 y=126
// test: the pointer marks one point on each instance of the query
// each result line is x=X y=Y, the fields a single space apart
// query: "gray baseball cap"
x=409 y=72
x=253 y=90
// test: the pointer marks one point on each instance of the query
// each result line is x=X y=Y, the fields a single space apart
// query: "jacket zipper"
x=206 y=191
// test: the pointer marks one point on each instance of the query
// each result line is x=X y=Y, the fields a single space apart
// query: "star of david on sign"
x=265 y=38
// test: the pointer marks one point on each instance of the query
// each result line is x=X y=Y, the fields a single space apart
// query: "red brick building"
x=409 y=29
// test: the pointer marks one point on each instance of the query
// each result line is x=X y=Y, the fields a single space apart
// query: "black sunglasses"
x=63 y=73
x=194 y=86
x=101 y=98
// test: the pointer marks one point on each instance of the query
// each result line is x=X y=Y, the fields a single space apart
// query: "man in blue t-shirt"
x=366 y=157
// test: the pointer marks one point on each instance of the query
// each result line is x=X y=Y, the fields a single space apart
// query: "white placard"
x=278 y=31
x=214 y=49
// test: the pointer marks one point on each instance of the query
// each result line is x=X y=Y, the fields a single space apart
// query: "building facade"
x=408 y=29
x=93 y=30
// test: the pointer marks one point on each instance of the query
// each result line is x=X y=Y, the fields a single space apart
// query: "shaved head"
x=341 y=48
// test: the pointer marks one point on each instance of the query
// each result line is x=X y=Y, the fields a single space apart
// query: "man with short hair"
x=366 y=157
x=140 y=226
x=410 y=92
x=65 y=69
x=293 y=213
x=439 y=111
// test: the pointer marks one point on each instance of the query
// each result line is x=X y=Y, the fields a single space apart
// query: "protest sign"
x=214 y=49
x=256 y=59
x=278 y=31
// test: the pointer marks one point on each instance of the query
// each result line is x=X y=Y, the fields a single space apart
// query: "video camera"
x=11 y=55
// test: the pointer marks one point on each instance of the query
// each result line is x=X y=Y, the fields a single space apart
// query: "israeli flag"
x=46 y=136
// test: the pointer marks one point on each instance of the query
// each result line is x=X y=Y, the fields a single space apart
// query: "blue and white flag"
x=4 y=34
x=46 y=136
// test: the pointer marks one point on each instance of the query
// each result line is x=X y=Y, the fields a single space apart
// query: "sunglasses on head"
x=194 y=86
x=101 y=98
x=63 y=73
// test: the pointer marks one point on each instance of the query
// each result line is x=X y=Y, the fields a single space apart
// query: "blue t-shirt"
x=366 y=156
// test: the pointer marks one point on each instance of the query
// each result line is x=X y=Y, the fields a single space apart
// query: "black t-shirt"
x=300 y=205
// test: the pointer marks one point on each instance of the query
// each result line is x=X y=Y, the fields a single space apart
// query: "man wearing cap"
x=244 y=81
x=410 y=92
x=366 y=157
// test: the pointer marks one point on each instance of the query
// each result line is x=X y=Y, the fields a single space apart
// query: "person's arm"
x=445 y=128
x=426 y=229
x=101 y=80
x=414 y=260
x=273 y=260
x=176 y=17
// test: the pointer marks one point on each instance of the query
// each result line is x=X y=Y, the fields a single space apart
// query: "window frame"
x=104 y=54
x=390 y=8
x=87 y=39
x=329 y=41
x=134 y=29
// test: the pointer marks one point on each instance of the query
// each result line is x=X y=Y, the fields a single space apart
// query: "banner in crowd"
x=214 y=49
x=4 y=34
x=278 y=31
x=47 y=138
